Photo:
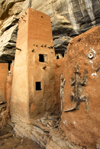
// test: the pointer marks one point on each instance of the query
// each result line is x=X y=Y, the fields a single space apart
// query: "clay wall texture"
x=3 y=78
x=40 y=40
x=82 y=126
x=20 y=96
x=34 y=38
x=9 y=88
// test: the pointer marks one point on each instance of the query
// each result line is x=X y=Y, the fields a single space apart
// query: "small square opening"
x=57 y=57
x=41 y=58
x=38 y=86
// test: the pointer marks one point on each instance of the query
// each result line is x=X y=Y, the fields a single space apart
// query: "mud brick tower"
x=33 y=77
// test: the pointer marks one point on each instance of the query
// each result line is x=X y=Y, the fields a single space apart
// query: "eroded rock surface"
x=69 y=18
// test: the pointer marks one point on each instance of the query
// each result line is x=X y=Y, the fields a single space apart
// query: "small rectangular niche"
x=43 y=58
x=38 y=86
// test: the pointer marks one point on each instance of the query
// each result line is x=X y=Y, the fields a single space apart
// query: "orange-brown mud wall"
x=82 y=126
x=20 y=90
x=3 y=78
x=39 y=39
x=34 y=31
x=9 y=89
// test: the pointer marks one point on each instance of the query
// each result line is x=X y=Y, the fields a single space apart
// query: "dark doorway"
x=9 y=64
x=38 y=86
x=57 y=57
x=41 y=58
x=63 y=54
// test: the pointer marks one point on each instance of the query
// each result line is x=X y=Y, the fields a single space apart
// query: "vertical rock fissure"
x=30 y=4
x=71 y=15
x=82 y=6
x=89 y=7
x=62 y=83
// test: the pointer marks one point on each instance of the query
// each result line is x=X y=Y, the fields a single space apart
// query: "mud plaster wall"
x=59 y=66
x=9 y=88
x=34 y=38
x=20 y=90
x=40 y=41
x=83 y=126
x=3 y=77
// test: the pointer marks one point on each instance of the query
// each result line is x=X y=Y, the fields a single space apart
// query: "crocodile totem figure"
x=78 y=83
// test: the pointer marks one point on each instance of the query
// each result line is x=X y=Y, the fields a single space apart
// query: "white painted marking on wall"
x=93 y=51
x=65 y=122
x=91 y=63
x=94 y=74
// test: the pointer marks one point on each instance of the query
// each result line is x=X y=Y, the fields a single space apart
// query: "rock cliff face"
x=69 y=18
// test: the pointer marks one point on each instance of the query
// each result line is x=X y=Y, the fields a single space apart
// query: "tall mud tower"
x=33 y=77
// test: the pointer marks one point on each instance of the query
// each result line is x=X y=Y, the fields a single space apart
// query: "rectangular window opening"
x=43 y=58
x=38 y=86
x=9 y=65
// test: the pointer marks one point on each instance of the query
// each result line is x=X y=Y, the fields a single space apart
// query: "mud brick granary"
x=33 y=76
